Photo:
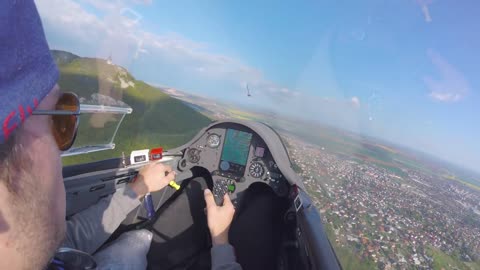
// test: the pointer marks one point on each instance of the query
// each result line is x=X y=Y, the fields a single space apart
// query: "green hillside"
x=157 y=119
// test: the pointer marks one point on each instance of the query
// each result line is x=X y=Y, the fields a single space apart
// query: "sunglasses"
x=65 y=120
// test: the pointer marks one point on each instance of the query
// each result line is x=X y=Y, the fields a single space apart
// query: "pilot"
x=32 y=193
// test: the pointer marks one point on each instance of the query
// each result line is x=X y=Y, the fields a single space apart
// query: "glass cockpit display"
x=235 y=151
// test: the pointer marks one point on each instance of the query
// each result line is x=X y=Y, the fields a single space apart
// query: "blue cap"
x=27 y=69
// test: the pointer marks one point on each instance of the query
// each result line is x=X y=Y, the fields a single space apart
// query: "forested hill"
x=157 y=118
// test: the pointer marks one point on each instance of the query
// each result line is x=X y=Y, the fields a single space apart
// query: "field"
x=394 y=159
x=348 y=259
x=352 y=146
x=442 y=260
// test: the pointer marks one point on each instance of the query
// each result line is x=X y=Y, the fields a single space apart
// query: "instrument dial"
x=193 y=155
x=224 y=165
x=213 y=140
x=256 y=170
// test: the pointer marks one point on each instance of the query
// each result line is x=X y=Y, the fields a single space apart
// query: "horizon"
x=407 y=77
x=370 y=138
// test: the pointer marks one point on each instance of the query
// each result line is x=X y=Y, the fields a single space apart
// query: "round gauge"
x=224 y=165
x=281 y=189
x=256 y=170
x=213 y=140
x=193 y=155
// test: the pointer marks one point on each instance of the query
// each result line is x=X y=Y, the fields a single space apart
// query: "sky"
x=404 y=71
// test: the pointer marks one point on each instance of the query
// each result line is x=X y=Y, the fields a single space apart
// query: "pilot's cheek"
x=60 y=212
x=56 y=189
x=47 y=165
x=54 y=175
x=61 y=200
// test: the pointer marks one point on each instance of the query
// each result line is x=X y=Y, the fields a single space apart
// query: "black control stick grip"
x=218 y=199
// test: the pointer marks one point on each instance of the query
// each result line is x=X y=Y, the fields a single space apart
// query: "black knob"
x=182 y=164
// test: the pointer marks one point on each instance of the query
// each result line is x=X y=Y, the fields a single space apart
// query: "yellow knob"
x=174 y=185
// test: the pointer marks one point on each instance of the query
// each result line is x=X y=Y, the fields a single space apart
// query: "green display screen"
x=236 y=146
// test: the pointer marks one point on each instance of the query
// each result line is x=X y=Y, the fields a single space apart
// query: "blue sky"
x=404 y=71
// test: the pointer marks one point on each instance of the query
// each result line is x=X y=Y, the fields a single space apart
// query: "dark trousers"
x=182 y=241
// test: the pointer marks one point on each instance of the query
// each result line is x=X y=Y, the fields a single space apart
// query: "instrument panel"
x=236 y=157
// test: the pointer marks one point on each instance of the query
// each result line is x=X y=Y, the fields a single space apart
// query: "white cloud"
x=358 y=34
x=355 y=102
x=445 y=97
x=113 y=5
x=119 y=33
x=146 y=2
x=102 y=4
x=425 y=10
x=452 y=86
x=192 y=65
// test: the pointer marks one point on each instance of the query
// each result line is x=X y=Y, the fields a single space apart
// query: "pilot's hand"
x=152 y=177
x=219 y=218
